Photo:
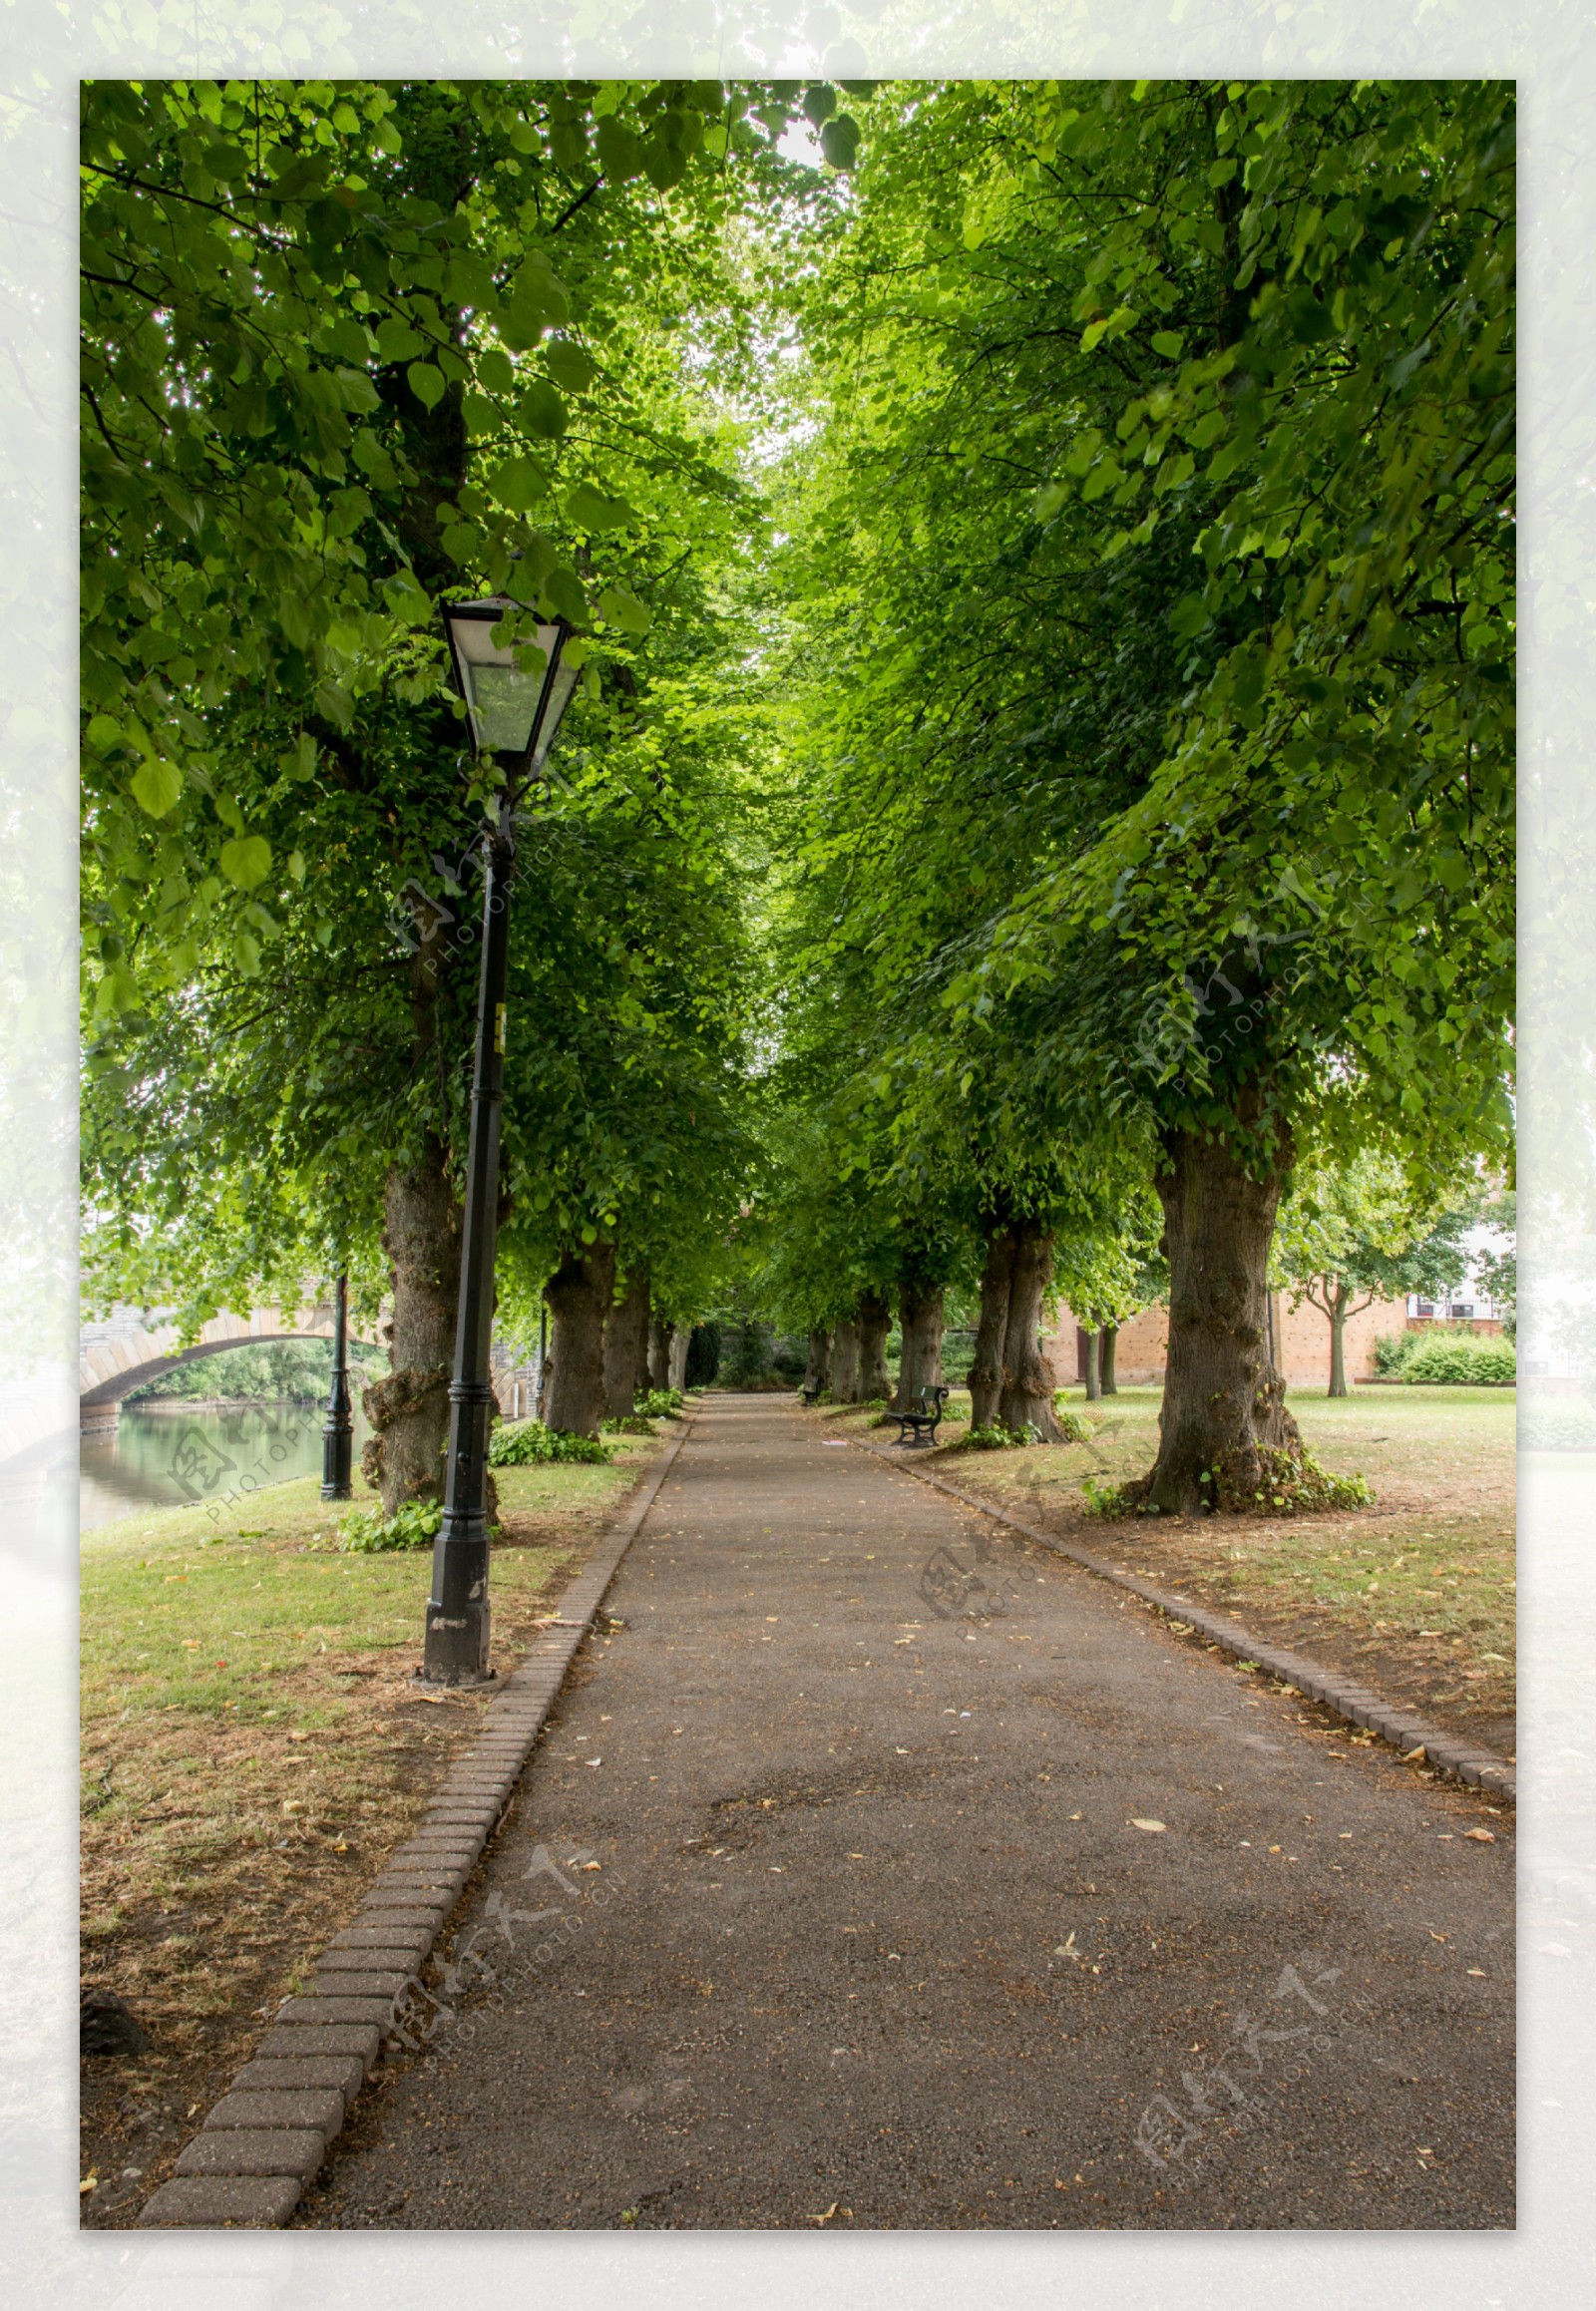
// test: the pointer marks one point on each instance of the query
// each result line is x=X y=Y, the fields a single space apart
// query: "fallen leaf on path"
x=1481 y=1836
x=1137 y=1822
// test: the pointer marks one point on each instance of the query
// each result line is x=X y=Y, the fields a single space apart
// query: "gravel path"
x=938 y=1887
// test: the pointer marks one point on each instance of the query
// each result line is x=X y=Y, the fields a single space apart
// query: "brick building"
x=1301 y=1341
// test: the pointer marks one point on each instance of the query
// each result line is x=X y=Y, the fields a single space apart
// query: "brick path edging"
x=1463 y=1760
x=268 y=2135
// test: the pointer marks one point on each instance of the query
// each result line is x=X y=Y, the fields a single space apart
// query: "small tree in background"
x=1351 y=1235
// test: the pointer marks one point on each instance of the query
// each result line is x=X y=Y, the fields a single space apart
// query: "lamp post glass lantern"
x=516 y=693
x=516 y=688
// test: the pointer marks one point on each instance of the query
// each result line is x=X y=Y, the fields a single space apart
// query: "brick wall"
x=1302 y=1342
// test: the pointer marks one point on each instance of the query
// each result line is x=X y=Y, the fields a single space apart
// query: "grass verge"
x=1413 y=1595
x=252 y=1750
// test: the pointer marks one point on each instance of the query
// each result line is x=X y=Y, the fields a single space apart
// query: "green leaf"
x=397 y=342
x=157 y=785
x=624 y=611
x=593 y=510
x=1168 y=342
x=103 y=732
x=543 y=412
x=495 y=371
x=562 y=595
x=520 y=483
x=820 y=104
x=619 y=152
x=406 y=598
x=570 y=365
x=839 y=141
x=246 y=861
x=426 y=382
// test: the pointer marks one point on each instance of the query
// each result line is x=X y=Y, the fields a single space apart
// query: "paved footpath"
x=873 y=1939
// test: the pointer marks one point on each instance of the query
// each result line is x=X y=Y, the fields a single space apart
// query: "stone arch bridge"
x=133 y=1346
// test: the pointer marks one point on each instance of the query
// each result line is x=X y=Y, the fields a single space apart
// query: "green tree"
x=1355 y=1228
x=1166 y=545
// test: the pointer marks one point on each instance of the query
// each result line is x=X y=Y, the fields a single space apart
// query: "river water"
x=155 y=1460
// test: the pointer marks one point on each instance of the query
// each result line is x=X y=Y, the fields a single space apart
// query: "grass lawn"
x=252 y=1750
x=1416 y=1595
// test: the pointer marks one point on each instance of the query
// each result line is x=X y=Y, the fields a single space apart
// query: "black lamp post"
x=516 y=691
x=338 y=1430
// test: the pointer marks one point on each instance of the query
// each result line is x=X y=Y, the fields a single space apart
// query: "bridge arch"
x=133 y=1346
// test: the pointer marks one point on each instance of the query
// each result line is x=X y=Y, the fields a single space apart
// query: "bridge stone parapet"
x=132 y=1345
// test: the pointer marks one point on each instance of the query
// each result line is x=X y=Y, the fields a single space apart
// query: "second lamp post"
x=517 y=689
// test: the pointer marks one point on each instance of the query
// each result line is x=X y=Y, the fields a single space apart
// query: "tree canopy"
x=1042 y=568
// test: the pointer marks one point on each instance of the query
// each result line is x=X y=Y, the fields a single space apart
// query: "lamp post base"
x=456 y=1651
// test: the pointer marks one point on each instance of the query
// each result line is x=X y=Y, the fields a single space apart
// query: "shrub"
x=413 y=1526
x=1392 y=1352
x=1104 y=1500
x=659 y=1403
x=628 y=1424
x=526 y=1441
x=1461 y=1360
x=1293 y=1481
x=995 y=1437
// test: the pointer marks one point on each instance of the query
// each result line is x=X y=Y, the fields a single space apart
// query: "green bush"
x=413 y=1526
x=523 y=1442
x=995 y=1437
x=1392 y=1352
x=1104 y=1500
x=1461 y=1360
x=659 y=1403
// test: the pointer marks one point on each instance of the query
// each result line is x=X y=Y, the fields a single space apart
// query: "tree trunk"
x=1224 y=1402
x=1026 y=1401
x=409 y=1407
x=816 y=1374
x=625 y=1336
x=578 y=1296
x=658 y=1353
x=991 y=1327
x=676 y=1355
x=1338 y=1296
x=1094 y=1368
x=874 y=1322
x=1106 y=1364
x=845 y=1361
x=919 y=1366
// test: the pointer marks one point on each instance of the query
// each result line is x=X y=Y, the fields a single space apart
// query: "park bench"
x=811 y=1390
x=923 y=1417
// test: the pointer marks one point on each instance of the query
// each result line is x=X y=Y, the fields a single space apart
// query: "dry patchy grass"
x=252 y=1750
